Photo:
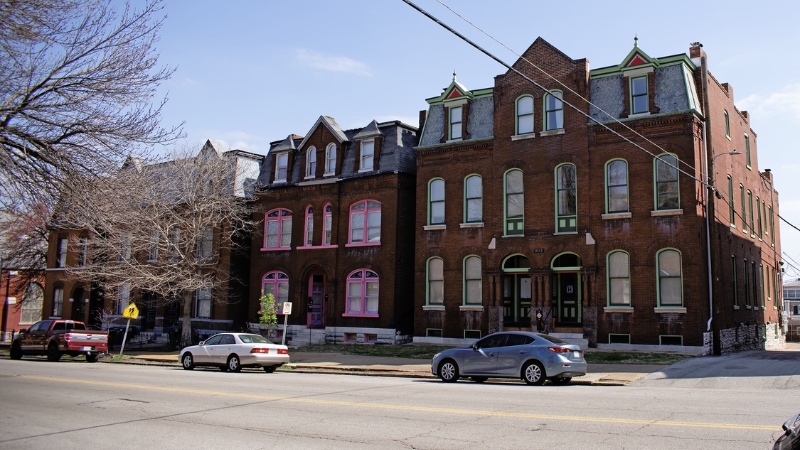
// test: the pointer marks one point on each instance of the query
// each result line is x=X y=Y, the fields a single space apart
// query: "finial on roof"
x=454 y=75
x=635 y=40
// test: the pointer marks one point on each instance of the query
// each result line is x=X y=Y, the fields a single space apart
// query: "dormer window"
x=311 y=162
x=639 y=97
x=330 y=159
x=455 y=122
x=367 y=154
x=281 y=167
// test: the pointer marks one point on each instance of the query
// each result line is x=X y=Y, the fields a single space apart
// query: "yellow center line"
x=667 y=423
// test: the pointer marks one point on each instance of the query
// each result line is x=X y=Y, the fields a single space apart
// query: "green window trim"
x=473 y=199
x=669 y=278
x=566 y=197
x=523 y=111
x=514 y=203
x=734 y=285
x=746 y=285
x=618 y=279
x=639 y=95
x=617 y=192
x=727 y=125
x=434 y=267
x=436 y=201
x=553 y=110
x=747 y=150
x=666 y=180
x=455 y=123
x=750 y=213
x=744 y=209
x=731 y=203
x=760 y=227
x=472 y=286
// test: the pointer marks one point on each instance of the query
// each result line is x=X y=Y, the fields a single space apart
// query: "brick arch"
x=515 y=164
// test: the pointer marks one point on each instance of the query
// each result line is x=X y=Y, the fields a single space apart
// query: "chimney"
x=696 y=52
x=423 y=116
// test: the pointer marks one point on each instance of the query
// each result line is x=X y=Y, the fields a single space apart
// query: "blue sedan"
x=534 y=357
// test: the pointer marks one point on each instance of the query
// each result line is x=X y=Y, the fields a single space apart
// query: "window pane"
x=514 y=182
x=618 y=264
x=525 y=105
x=437 y=212
x=669 y=264
x=474 y=188
x=354 y=297
x=620 y=291
x=374 y=226
x=525 y=124
x=617 y=173
x=474 y=210
x=436 y=292
x=474 y=292
x=566 y=202
x=670 y=291
x=372 y=297
x=473 y=268
x=618 y=199
x=437 y=190
x=639 y=86
x=286 y=232
x=515 y=205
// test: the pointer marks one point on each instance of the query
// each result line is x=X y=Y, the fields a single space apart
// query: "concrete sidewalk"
x=304 y=362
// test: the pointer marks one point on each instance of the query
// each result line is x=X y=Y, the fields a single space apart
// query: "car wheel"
x=533 y=373
x=448 y=371
x=187 y=361
x=561 y=381
x=92 y=357
x=270 y=369
x=234 y=365
x=53 y=354
x=479 y=379
x=16 y=351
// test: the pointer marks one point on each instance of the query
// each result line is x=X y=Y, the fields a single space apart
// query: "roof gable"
x=328 y=123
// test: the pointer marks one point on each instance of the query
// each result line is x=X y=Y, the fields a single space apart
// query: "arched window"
x=58 y=300
x=278 y=229
x=525 y=115
x=514 y=202
x=277 y=284
x=727 y=123
x=435 y=284
x=309 y=227
x=311 y=162
x=330 y=159
x=473 y=199
x=731 y=202
x=566 y=199
x=363 y=289
x=670 y=278
x=553 y=111
x=327 y=220
x=473 y=293
x=31 y=310
x=436 y=202
x=365 y=222
x=667 y=189
x=617 y=186
x=619 y=279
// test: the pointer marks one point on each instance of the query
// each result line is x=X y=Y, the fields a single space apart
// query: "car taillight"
x=68 y=337
x=560 y=349
x=283 y=351
x=259 y=350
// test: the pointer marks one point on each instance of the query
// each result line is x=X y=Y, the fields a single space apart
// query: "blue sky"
x=252 y=72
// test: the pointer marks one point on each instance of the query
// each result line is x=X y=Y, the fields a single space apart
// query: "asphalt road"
x=73 y=404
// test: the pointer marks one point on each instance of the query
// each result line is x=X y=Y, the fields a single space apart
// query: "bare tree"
x=77 y=81
x=167 y=229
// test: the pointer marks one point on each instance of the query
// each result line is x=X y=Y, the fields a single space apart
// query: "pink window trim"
x=278 y=233
x=276 y=249
x=366 y=211
x=305 y=228
x=325 y=215
x=368 y=316
x=314 y=247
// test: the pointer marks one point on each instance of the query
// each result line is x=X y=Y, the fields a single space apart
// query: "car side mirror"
x=475 y=347
x=202 y=343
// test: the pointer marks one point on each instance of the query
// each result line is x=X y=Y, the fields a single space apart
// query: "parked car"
x=534 y=357
x=790 y=439
x=232 y=351
x=55 y=338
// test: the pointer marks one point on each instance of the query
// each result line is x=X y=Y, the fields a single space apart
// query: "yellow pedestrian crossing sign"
x=131 y=311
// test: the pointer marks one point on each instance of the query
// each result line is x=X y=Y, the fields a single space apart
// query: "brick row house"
x=69 y=297
x=22 y=291
x=337 y=241
x=536 y=210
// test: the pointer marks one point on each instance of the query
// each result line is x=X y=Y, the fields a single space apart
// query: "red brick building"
x=538 y=210
x=336 y=237
x=22 y=291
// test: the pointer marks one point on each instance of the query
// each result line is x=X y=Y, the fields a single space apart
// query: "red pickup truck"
x=55 y=338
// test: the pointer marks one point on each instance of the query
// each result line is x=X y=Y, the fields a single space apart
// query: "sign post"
x=131 y=312
x=286 y=310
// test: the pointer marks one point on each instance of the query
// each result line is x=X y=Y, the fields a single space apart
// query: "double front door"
x=568 y=298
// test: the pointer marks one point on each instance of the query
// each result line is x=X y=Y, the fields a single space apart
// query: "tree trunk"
x=186 y=331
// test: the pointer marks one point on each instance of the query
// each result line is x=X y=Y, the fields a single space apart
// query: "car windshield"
x=254 y=339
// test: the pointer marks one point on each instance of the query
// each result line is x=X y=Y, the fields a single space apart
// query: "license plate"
x=87 y=348
x=576 y=354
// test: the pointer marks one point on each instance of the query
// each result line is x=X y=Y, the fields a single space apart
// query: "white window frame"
x=311 y=163
x=330 y=160
x=281 y=167
x=367 y=155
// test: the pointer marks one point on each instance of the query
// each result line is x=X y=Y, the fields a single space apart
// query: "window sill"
x=279 y=182
x=368 y=316
x=434 y=227
x=552 y=132
x=735 y=307
x=522 y=137
x=366 y=170
x=633 y=116
x=618 y=309
x=616 y=216
x=669 y=310
x=666 y=213
x=471 y=225
x=375 y=244
x=470 y=308
x=433 y=307
x=453 y=140
x=521 y=235
x=275 y=249
x=564 y=233
x=309 y=177
x=329 y=174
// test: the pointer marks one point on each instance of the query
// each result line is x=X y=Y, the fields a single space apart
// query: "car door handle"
x=522 y=352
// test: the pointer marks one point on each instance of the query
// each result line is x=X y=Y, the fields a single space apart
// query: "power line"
x=535 y=83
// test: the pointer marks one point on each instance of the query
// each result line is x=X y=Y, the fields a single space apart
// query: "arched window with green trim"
x=514 y=207
x=566 y=199
x=524 y=110
x=553 y=111
x=436 y=202
x=617 y=186
x=666 y=180
x=619 y=278
x=669 y=278
x=473 y=292
x=473 y=199
x=434 y=288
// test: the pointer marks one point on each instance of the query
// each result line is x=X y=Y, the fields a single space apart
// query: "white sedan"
x=232 y=351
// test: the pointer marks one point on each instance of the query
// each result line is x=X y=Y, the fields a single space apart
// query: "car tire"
x=270 y=369
x=53 y=354
x=234 y=363
x=479 y=379
x=187 y=362
x=92 y=357
x=560 y=381
x=16 y=351
x=533 y=373
x=448 y=371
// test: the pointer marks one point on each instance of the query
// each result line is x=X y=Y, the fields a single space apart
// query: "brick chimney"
x=696 y=52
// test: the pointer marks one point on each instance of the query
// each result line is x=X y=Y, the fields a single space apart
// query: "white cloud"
x=779 y=103
x=331 y=63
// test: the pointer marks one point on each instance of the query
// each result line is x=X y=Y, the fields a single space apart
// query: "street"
x=73 y=404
